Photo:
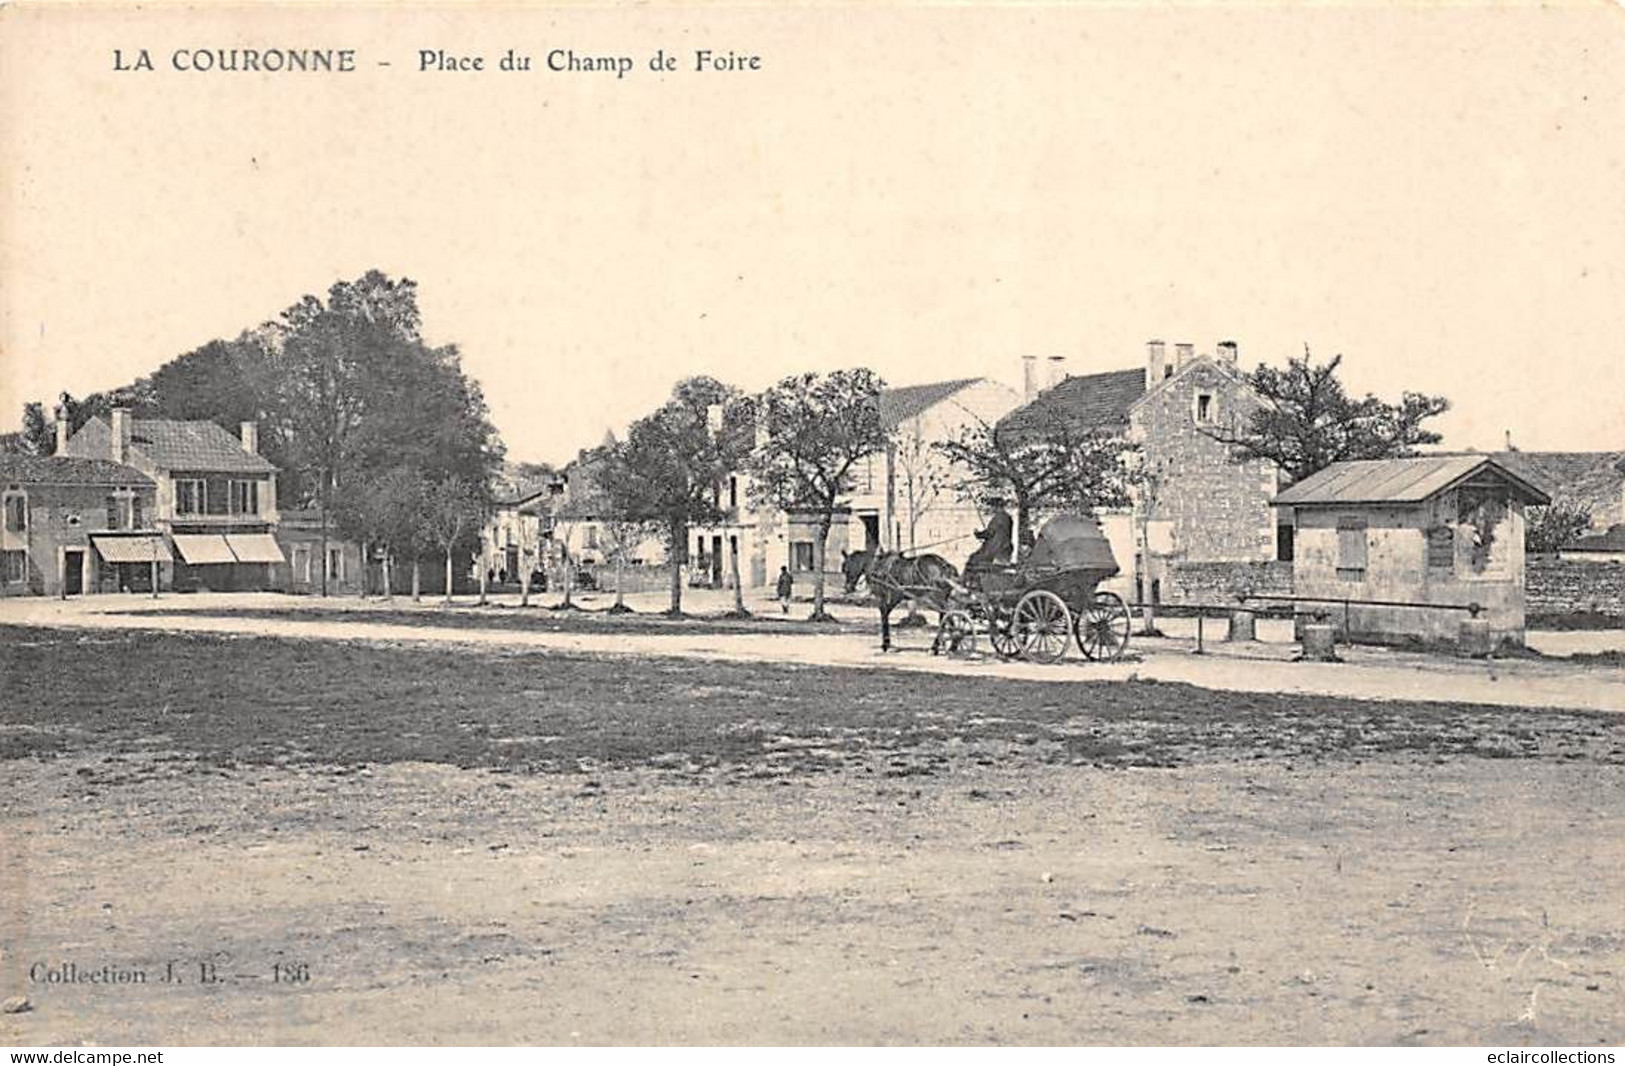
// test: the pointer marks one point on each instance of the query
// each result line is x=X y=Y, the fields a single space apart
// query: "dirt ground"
x=460 y=846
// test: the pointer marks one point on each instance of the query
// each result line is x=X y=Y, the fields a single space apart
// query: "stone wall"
x=1224 y=583
x=1208 y=506
x=1567 y=586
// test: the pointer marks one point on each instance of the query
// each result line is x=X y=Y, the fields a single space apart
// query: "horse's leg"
x=886 y=606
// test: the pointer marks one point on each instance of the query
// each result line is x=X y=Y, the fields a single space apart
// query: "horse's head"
x=854 y=567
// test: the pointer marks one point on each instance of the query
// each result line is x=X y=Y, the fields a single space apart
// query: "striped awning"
x=202 y=549
x=255 y=548
x=133 y=549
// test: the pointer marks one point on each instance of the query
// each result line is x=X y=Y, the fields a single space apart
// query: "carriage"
x=1034 y=608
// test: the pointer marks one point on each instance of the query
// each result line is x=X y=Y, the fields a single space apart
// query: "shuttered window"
x=1351 y=548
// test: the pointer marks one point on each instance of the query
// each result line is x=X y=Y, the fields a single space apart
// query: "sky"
x=1435 y=193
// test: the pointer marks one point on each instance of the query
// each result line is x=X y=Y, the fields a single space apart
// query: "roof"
x=61 y=470
x=176 y=445
x=1411 y=480
x=1090 y=401
x=901 y=404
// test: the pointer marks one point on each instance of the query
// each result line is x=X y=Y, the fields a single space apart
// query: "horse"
x=894 y=578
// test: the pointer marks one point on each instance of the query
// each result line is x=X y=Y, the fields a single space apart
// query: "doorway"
x=871 y=531
x=73 y=572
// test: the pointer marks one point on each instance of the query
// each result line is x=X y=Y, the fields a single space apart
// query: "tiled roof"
x=175 y=445
x=1399 y=481
x=61 y=470
x=1088 y=402
x=901 y=404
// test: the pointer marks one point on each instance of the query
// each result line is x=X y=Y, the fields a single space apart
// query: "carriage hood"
x=1072 y=542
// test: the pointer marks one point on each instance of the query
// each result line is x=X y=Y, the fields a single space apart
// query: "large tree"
x=1308 y=420
x=451 y=515
x=668 y=470
x=1555 y=525
x=1049 y=465
x=819 y=427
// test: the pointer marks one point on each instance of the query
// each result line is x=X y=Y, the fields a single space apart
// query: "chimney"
x=121 y=433
x=251 y=437
x=1228 y=352
x=1156 y=359
x=1054 y=371
x=1029 y=377
x=1183 y=353
x=1510 y=446
x=61 y=431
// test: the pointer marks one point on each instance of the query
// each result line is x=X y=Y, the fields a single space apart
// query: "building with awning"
x=73 y=525
x=216 y=494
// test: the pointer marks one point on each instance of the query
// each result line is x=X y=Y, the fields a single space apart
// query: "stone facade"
x=47 y=541
x=1201 y=506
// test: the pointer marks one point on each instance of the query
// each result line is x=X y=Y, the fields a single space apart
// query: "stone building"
x=215 y=494
x=77 y=525
x=1201 y=528
x=1435 y=530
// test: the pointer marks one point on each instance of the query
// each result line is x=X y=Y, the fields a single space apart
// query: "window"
x=335 y=564
x=1204 y=408
x=16 y=513
x=123 y=511
x=1351 y=549
x=301 y=564
x=1285 y=543
x=245 y=497
x=16 y=567
x=190 y=496
x=589 y=537
x=801 y=556
x=733 y=493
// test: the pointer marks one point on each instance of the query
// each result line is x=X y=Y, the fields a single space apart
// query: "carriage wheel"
x=1043 y=623
x=1002 y=634
x=1102 y=628
x=958 y=634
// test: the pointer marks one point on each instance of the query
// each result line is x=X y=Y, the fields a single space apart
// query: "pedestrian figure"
x=786 y=586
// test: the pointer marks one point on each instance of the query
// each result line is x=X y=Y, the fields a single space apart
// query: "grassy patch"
x=225 y=701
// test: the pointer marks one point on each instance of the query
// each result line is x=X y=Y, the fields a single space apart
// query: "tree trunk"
x=483 y=572
x=820 y=547
x=322 y=502
x=739 y=588
x=679 y=553
x=448 y=575
x=524 y=584
x=389 y=576
x=569 y=581
x=1148 y=611
x=417 y=579
x=620 y=579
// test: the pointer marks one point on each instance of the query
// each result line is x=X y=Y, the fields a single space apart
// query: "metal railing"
x=1473 y=609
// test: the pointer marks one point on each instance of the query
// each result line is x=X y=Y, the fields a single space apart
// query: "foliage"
x=819 y=427
x=1055 y=465
x=39 y=434
x=344 y=389
x=1309 y=421
x=1555 y=525
x=669 y=470
x=451 y=511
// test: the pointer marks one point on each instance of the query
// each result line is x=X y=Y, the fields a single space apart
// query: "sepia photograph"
x=993 y=525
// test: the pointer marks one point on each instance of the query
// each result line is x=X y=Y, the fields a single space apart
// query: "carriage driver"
x=997 y=540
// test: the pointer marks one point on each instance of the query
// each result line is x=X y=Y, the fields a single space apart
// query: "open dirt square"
x=301 y=841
